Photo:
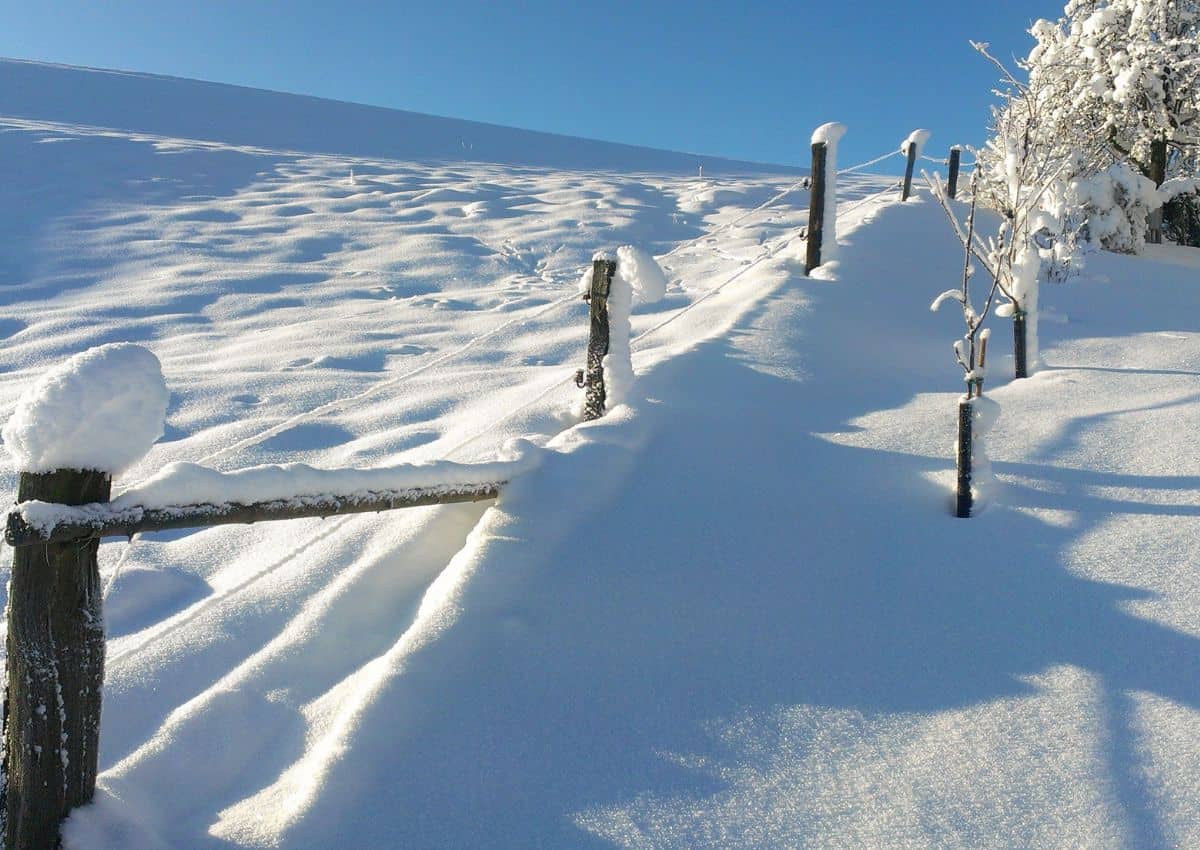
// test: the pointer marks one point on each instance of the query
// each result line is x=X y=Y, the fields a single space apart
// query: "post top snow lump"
x=101 y=409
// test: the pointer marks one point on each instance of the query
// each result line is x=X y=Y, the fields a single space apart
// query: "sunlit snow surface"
x=734 y=613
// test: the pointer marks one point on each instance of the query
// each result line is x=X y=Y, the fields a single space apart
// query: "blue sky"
x=747 y=80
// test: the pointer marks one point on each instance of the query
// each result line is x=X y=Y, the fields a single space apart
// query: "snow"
x=1026 y=289
x=829 y=133
x=1172 y=189
x=102 y=409
x=916 y=138
x=638 y=276
x=181 y=485
x=734 y=612
x=1117 y=201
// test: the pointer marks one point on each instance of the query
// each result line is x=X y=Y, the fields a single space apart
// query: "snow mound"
x=642 y=272
x=829 y=133
x=101 y=409
x=918 y=138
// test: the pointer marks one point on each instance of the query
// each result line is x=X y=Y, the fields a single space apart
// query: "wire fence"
x=543 y=392
x=83 y=661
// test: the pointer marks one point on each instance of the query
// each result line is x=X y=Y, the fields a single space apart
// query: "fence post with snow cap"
x=821 y=242
x=612 y=285
x=72 y=430
x=603 y=270
x=912 y=149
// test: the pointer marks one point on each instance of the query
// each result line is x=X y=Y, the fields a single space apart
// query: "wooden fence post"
x=911 y=151
x=816 y=207
x=594 y=395
x=962 y=495
x=55 y=669
x=1020 y=364
x=952 y=182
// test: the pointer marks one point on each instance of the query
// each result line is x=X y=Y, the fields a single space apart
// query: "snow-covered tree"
x=1121 y=77
x=1033 y=184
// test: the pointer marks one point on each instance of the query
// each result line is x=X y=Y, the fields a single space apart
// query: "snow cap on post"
x=918 y=138
x=829 y=133
x=638 y=275
x=101 y=409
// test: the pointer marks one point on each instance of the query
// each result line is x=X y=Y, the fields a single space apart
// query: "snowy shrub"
x=1115 y=205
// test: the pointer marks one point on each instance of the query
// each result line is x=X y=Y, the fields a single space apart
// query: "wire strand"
x=803 y=182
x=868 y=163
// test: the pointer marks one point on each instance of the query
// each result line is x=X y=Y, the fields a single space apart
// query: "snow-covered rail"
x=77 y=427
x=36 y=522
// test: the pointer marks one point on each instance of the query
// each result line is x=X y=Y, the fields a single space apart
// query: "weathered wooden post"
x=952 y=181
x=55 y=669
x=1020 y=360
x=594 y=395
x=816 y=207
x=963 y=499
x=910 y=150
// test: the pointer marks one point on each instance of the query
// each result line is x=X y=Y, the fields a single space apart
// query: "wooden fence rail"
x=56 y=639
x=98 y=520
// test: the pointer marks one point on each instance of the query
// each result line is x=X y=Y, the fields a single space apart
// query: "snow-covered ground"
x=734 y=613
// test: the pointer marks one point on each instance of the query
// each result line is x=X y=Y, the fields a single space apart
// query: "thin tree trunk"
x=1158 y=173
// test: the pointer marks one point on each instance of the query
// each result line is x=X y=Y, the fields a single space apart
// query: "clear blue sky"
x=747 y=80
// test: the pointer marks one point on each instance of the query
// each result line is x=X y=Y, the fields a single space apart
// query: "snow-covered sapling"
x=1017 y=175
x=970 y=352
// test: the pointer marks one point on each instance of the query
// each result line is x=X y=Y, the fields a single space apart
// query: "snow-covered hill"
x=733 y=613
x=233 y=115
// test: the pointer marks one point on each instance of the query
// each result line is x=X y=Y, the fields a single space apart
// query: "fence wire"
x=334 y=526
x=868 y=163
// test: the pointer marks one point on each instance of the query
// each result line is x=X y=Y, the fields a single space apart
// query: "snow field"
x=736 y=612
